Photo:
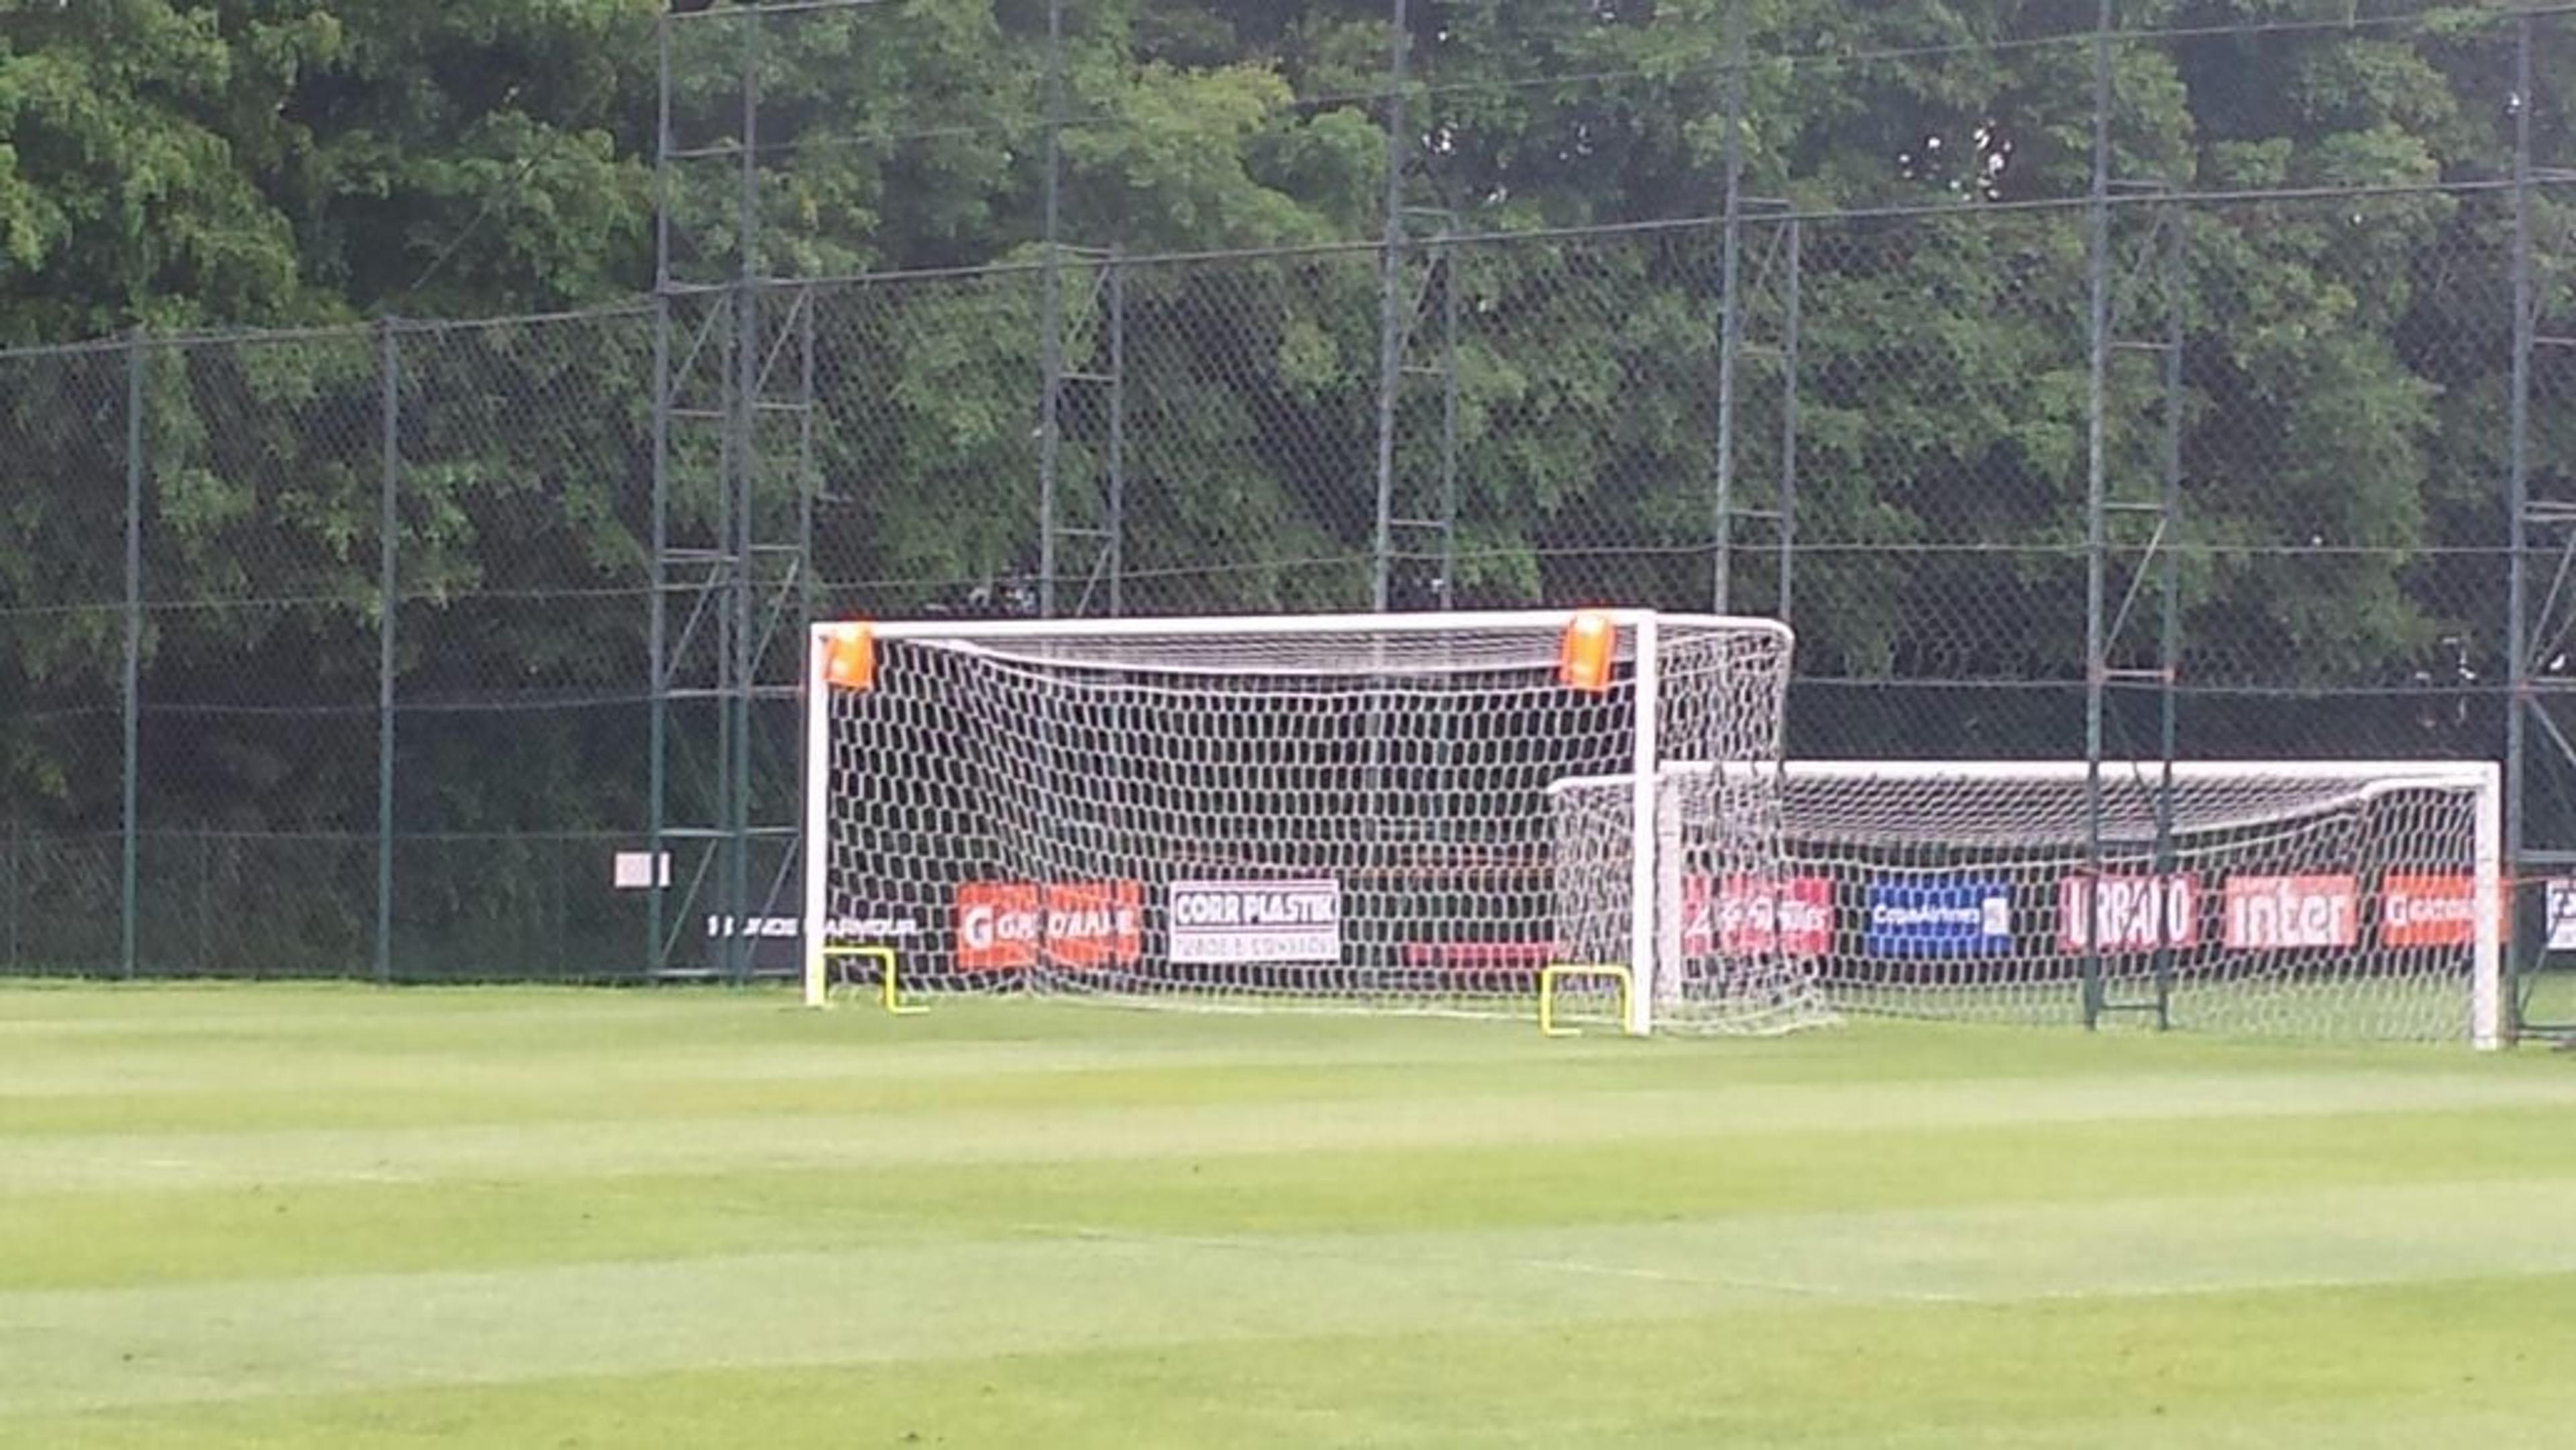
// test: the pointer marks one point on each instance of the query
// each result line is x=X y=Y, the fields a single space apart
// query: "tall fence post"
x=2521 y=700
x=1730 y=327
x=389 y=371
x=1391 y=313
x=2097 y=339
x=130 y=688
x=13 y=883
x=1051 y=319
x=1114 y=506
x=658 y=579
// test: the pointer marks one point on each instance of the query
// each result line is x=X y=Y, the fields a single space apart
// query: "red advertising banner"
x=2433 y=909
x=2128 y=913
x=1082 y=923
x=2265 y=912
x=1756 y=914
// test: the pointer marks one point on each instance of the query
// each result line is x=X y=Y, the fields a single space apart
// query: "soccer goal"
x=1349 y=812
x=2349 y=899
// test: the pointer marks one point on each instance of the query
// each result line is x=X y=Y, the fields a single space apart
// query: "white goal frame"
x=2481 y=781
x=1641 y=627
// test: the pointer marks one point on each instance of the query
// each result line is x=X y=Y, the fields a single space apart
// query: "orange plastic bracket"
x=849 y=657
x=1585 y=655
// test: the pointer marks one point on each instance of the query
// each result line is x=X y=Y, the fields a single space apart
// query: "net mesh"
x=1714 y=838
x=2289 y=900
x=1266 y=813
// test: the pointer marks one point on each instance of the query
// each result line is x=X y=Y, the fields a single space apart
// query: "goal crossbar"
x=1222 y=626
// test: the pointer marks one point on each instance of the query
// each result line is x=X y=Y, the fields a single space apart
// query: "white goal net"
x=2279 y=898
x=1318 y=811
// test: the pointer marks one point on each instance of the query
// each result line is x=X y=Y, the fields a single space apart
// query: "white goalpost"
x=2347 y=899
x=1338 y=811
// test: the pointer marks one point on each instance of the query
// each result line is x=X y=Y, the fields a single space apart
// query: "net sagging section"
x=1337 y=812
x=2261 y=898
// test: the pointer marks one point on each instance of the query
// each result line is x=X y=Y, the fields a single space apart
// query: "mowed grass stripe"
x=799 y=1052
x=196 y=1060
x=284 y=1088
x=1419 y=1117
x=237 y=1023
x=972 y=1299
x=297 y=1216
x=111 y=1238
x=2457 y=1362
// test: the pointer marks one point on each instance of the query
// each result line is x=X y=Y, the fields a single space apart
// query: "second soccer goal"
x=2345 y=899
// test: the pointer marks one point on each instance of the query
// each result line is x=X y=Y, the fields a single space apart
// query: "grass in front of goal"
x=309 y=1217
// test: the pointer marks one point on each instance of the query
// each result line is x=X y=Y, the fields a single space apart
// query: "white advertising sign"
x=2562 y=913
x=2127 y=913
x=2265 y=912
x=1229 y=922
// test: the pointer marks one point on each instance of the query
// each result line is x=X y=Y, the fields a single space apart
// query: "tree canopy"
x=2331 y=210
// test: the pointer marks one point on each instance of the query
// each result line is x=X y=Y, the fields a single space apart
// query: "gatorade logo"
x=2433 y=910
x=1007 y=925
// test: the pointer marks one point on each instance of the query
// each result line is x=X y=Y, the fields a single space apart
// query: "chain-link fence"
x=366 y=650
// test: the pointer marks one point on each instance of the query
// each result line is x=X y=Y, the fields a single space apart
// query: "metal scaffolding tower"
x=1082 y=391
x=733 y=510
x=1413 y=550
x=1415 y=563
x=1759 y=284
x=1082 y=499
x=1762 y=322
x=2540 y=721
x=2135 y=287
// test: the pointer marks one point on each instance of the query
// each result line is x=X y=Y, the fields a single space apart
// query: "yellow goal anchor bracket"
x=1554 y=973
x=887 y=995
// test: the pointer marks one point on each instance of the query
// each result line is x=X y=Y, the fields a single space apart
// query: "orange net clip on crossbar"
x=1585 y=655
x=849 y=657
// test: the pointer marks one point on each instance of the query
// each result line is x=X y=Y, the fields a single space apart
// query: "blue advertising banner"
x=1939 y=916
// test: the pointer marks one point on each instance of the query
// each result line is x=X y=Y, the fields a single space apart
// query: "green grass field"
x=309 y=1217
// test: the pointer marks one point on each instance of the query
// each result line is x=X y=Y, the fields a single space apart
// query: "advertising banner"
x=2267 y=912
x=1939 y=916
x=1001 y=925
x=2434 y=909
x=1232 y=922
x=2560 y=903
x=1756 y=915
x=2127 y=913
x=778 y=941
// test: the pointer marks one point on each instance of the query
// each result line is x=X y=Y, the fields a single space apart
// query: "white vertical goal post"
x=1348 y=812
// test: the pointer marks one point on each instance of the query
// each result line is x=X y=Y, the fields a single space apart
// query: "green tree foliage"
x=240 y=163
x=256 y=162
